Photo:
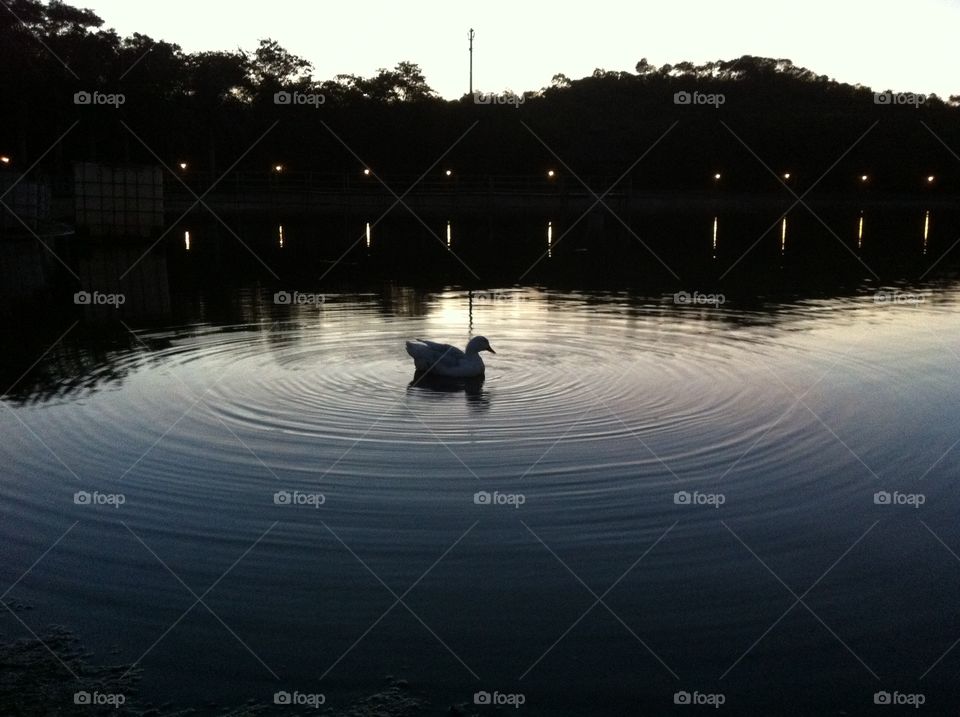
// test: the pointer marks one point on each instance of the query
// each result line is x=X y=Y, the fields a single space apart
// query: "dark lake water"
x=747 y=498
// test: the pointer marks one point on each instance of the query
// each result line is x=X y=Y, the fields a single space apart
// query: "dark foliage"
x=209 y=108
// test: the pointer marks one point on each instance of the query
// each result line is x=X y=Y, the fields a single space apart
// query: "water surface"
x=603 y=590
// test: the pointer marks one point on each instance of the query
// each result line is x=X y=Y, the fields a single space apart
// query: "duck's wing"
x=430 y=355
x=445 y=349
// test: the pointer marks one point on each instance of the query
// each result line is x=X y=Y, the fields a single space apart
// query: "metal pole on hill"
x=470 y=37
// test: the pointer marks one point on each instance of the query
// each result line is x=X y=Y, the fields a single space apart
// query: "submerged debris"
x=51 y=674
x=396 y=700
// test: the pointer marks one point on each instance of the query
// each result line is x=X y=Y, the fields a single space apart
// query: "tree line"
x=744 y=117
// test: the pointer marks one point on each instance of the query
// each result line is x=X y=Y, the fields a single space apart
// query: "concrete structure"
x=118 y=201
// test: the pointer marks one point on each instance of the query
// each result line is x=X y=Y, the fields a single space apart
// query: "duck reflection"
x=425 y=383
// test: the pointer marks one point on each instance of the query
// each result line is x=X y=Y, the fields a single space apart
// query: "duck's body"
x=446 y=360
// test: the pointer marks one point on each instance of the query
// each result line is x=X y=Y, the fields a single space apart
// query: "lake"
x=727 y=491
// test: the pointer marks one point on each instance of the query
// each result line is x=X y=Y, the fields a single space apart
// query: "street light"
x=366 y=172
x=864 y=178
x=786 y=175
x=551 y=174
x=931 y=179
x=4 y=159
x=183 y=166
x=716 y=177
x=278 y=168
x=448 y=172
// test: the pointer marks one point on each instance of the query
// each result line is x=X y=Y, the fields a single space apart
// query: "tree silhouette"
x=271 y=67
x=199 y=106
x=405 y=83
x=217 y=83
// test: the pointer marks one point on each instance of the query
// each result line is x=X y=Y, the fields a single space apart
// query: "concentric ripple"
x=587 y=395
x=597 y=409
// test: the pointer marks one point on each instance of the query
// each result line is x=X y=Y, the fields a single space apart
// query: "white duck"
x=447 y=360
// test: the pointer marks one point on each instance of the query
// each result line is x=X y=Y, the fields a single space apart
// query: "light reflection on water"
x=597 y=408
x=592 y=244
x=724 y=254
x=714 y=245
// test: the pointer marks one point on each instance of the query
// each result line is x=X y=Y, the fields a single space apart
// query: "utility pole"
x=470 y=36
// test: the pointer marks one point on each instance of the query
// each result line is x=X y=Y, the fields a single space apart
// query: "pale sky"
x=902 y=45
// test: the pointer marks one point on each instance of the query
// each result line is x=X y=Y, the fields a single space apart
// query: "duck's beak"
x=490 y=349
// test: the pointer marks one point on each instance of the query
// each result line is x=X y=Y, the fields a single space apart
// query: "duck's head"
x=478 y=344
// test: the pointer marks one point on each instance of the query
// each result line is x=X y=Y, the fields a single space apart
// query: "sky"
x=900 y=45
